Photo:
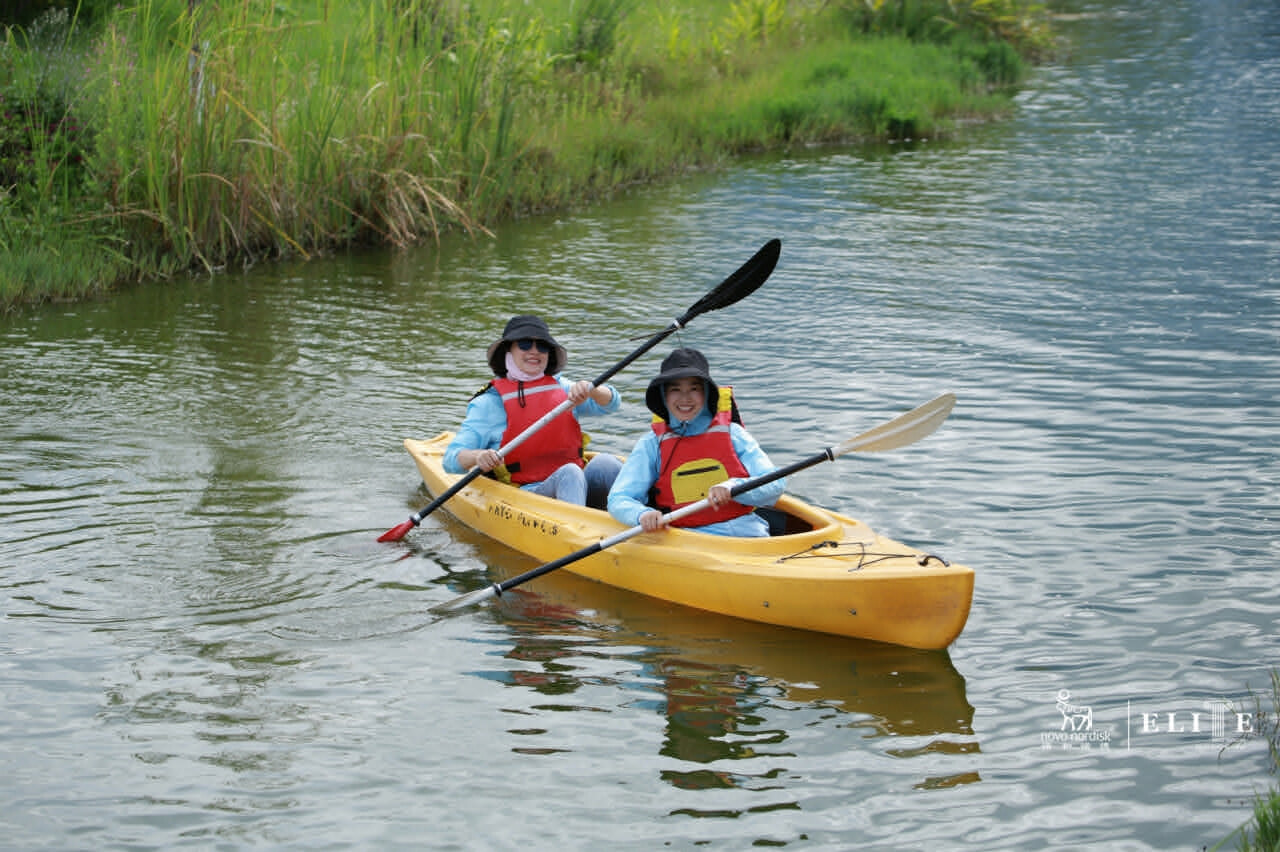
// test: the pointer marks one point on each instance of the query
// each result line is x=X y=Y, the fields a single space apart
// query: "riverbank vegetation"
x=1262 y=832
x=149 y=138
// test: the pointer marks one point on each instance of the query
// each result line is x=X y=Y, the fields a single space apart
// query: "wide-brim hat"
x=680 y=364
x=519 y=328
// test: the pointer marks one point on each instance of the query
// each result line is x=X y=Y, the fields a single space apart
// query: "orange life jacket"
x=691 y=464
x=555 y=444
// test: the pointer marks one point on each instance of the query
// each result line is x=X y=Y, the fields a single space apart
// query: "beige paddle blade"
x=902 y=430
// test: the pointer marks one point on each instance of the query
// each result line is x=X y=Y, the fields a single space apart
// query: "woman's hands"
x=719 y=496
x=486 y=460
x=653 y=520
x=579 y=392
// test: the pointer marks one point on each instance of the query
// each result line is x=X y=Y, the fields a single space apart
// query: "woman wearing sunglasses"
x=526 y=363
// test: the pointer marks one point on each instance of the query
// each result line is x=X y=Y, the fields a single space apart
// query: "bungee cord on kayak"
x=866 y=558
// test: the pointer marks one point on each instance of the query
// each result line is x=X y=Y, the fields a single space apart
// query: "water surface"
x=203 y=646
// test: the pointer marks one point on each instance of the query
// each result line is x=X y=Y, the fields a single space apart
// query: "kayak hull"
x=824 y=572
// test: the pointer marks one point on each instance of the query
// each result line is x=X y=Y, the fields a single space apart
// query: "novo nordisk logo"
x=1076 y=731
x=1217 y=723
x=1074 y=717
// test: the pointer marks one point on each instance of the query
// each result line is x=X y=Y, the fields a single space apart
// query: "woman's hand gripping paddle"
x=742 y=283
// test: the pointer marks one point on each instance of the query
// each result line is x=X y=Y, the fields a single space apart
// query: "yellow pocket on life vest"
x=692 y=480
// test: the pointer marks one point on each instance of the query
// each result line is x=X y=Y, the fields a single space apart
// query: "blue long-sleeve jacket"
x=486 y=421
x=641 y=469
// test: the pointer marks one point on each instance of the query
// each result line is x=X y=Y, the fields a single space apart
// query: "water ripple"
x=204 y=645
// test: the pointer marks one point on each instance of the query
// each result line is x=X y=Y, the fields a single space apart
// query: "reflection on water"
x=711 y=676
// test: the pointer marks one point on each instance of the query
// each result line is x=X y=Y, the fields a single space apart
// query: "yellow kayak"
x=823 y=571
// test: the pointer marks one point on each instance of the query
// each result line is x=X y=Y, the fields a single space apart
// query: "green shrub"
x=171 y=135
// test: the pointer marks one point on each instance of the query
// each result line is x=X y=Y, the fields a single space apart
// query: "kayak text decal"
x=530 y=522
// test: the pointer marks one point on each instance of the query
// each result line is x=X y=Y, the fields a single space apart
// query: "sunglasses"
x=528 y=343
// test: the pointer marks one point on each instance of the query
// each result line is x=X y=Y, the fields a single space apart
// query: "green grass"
x=160 y=141
x=1261 y=833
x=1265 y=833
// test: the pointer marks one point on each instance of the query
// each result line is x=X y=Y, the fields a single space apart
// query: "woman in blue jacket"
x=526 y=363
x=696 y=449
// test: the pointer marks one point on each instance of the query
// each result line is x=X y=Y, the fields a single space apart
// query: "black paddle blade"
x=742 y=283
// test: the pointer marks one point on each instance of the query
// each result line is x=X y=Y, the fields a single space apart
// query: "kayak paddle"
x=899 y=432
x=742 y=283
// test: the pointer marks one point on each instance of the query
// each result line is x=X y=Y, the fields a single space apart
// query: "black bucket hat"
x=519 y=328
x=680 y=364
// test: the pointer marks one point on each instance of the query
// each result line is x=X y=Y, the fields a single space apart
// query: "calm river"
x=202 y=645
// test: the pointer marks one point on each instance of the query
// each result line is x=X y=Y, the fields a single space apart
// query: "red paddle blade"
x=397 y=532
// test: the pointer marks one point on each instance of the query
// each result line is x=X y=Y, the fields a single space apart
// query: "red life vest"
x=555 y=444
x=691 y=464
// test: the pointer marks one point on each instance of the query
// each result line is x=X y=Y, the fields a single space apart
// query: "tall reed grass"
x=1261 y=832
x=183 y=134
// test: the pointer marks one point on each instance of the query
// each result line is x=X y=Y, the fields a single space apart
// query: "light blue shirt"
x=627 y=498
x=486 y=422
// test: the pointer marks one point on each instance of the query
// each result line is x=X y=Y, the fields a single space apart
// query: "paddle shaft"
x=534 y=427
x=675 y=515
x=902 y=430
x=744 y=281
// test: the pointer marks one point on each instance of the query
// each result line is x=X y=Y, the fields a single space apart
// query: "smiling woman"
x=697 y=450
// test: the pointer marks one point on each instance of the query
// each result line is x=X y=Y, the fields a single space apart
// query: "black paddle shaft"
x=675 y=326
x=902 y=430
x=470 y=475
x=795 y=467
x=744 y=281
x=592 y=549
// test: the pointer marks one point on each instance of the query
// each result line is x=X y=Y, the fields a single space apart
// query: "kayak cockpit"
x=782 y=522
